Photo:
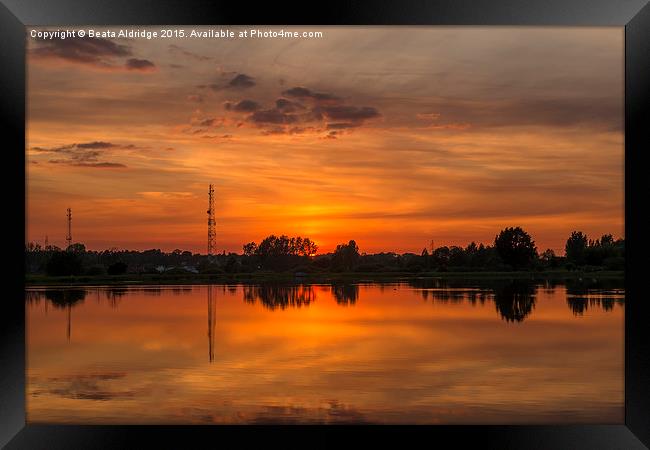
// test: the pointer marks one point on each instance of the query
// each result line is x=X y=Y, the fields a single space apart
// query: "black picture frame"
x=633 y=15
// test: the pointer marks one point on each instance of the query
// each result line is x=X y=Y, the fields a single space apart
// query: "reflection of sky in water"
x=422 y=352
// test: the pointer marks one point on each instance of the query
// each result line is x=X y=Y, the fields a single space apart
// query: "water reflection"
x=579 y=303
x=514 y=300
x=114 y=295
x=361 y=353
x=345 y=294
x=274 y=296
x=212 y=320
x=66 y=299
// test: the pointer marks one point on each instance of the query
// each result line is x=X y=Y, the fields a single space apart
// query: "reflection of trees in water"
x=33 y=297
x=181 y=290
x=449 y=291
x=580 y=303
x=275 y=296
x=154 y=291
x=64 y=298
x=515 y=301
x=588 y=293
x=548 y=286
x=114 y=295
x=345 y=294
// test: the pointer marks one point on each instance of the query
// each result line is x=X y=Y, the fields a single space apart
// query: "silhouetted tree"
x=440 y=257
x=77 y=248
x=117 y=268
x=346 y=256
x=576 y=247
x=250 y=249
x=515 y=247
x=548 y=258
x=232 y=264
x=281 y=252
x=64 y=263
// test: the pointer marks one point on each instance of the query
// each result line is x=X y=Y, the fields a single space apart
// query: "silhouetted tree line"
x=512 y=249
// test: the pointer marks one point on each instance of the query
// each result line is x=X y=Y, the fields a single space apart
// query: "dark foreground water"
x=420 y=352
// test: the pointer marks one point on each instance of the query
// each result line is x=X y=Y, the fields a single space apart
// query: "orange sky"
x=392 y=136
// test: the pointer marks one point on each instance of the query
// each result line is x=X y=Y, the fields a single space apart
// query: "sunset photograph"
x=324 y=225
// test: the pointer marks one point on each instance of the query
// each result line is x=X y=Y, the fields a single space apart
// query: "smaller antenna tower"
x=46 y=241
x=212 y=233
x=69 y=237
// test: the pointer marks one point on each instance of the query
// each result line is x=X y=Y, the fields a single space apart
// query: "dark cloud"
x=143 y=65
x=96 y=144
x=223 y=136
x=272 y=116
x=238 y=82
x=101 y=164
x=341 y=125
x=276 y=130
x=289 y=116
x=87 y=164
x=287 y=106
x=241 y=81
x=93 y=51
x=207 y=122
x=350 y=113
x=86 y=154
x=242 y=106
x=302 y=92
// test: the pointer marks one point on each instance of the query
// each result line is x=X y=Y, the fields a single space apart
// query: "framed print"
x=400 y=221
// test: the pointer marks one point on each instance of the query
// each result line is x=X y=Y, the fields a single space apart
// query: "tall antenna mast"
x=69 y=237
x=212 y=233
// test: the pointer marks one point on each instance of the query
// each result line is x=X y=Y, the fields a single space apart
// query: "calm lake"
x=425 y=351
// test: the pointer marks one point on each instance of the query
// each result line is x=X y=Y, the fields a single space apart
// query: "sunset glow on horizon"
x=392 y=136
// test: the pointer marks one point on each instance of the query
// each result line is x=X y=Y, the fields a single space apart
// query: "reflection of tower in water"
x=212 y=318
x=69 y=321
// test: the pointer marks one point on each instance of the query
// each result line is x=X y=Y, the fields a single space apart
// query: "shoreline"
x=311 y=278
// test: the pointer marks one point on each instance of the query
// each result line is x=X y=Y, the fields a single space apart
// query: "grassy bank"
x=350 y=277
